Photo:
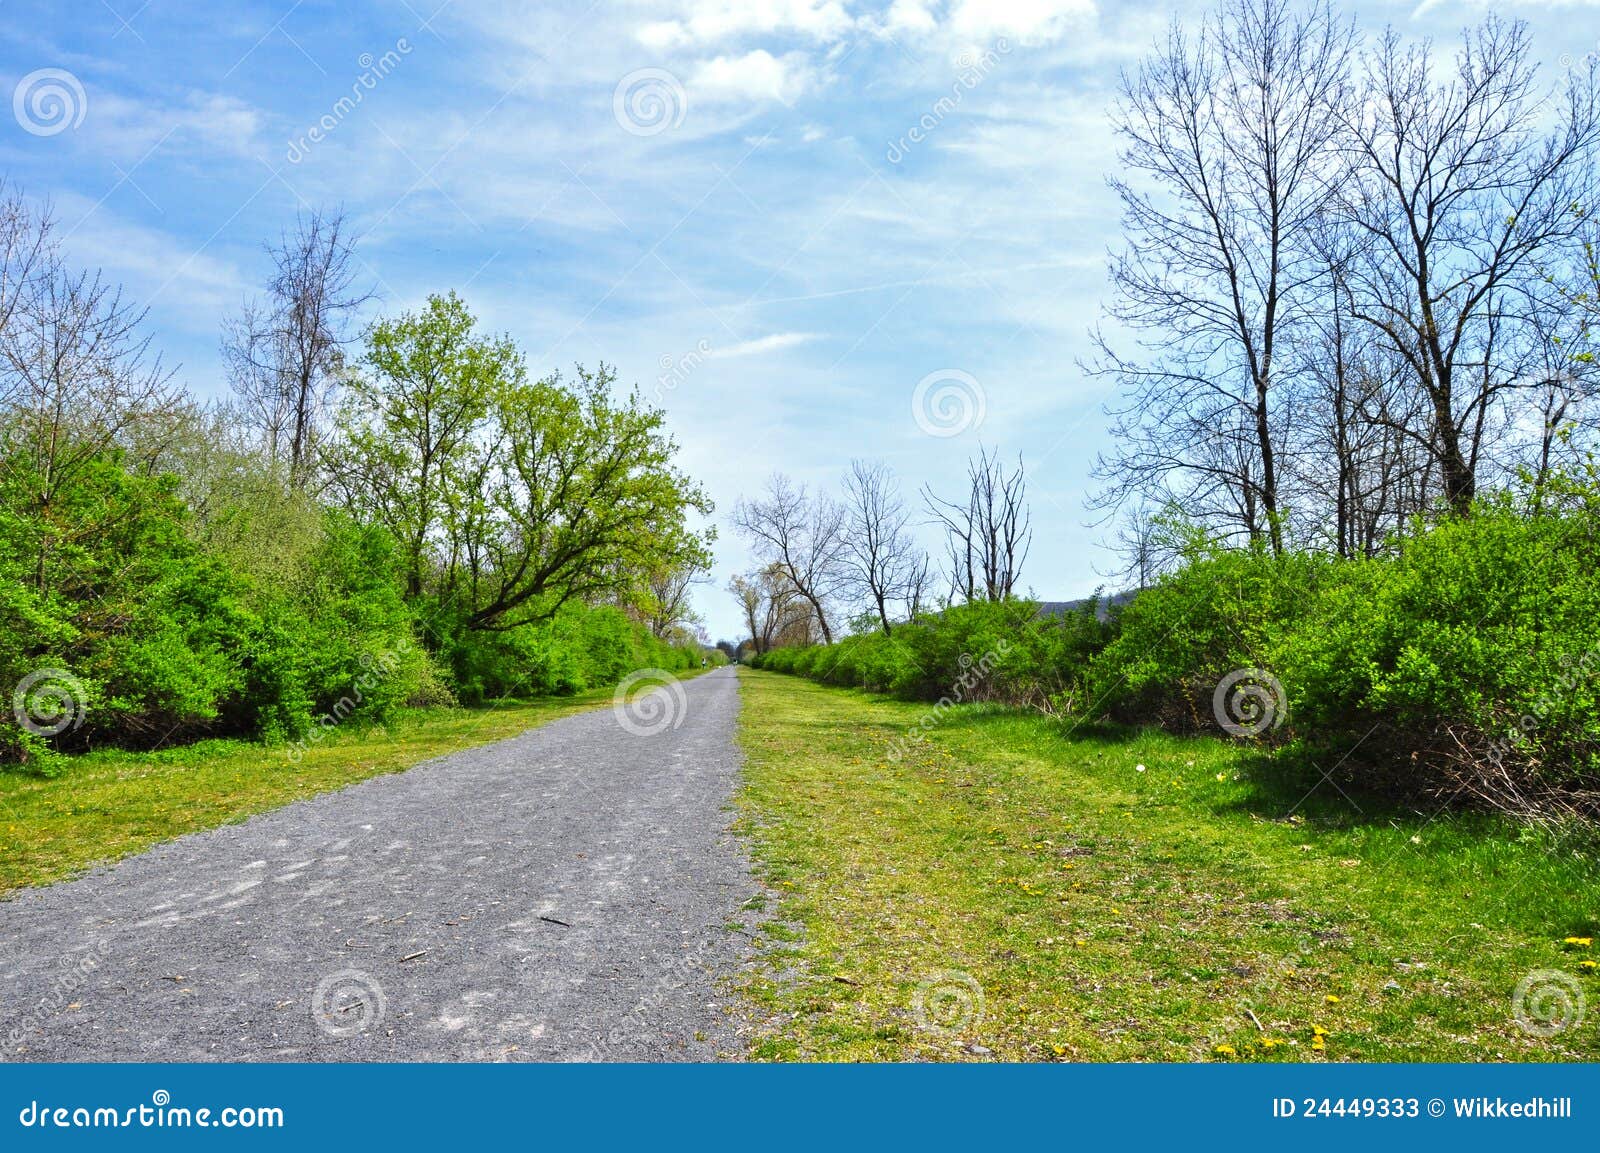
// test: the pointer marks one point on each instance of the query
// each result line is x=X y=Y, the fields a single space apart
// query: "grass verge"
x=113 y=803
x=1010 y=890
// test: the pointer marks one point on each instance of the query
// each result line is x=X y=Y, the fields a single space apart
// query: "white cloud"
x=186 y=286
x=710 y=22
x=913 y=16
x=756 y=75
x=774 y=343
x=1432 y=5
x=1029 y=21
x=125 y=126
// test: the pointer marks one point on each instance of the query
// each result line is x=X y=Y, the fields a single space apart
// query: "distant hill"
x=1107 y=603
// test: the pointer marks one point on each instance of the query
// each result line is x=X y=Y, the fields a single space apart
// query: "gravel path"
x=563 y=895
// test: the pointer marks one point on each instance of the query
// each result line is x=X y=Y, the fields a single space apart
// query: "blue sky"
x=730 y=189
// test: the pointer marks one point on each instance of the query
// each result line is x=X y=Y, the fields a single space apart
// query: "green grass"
x=1052 y=902
x=110 y=804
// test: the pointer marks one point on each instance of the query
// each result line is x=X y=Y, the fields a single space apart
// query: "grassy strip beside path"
x=111 y=804
x=1011 y=891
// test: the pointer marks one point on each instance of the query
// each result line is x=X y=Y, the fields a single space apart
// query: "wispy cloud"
x=774 y=343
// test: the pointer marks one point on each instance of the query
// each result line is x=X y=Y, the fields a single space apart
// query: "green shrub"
x=1003 y=651
x=1221 y=611
x=1472 y=658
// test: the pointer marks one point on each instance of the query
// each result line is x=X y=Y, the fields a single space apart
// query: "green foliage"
x=1004 y=651
x=489 y=530
x=510 y=497
x=1476 y=650
x=1464 y=666
x=1223 y=610
x=581 y=647
x=126 y=628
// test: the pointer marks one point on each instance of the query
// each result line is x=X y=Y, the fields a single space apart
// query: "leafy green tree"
x=412 y=423
x=511 y=498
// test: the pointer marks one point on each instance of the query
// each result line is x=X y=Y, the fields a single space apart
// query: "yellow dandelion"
x=1319 y=1044
x=1579 y=942
x=1225 y=1051
x=1331 y=999
x=1589 y=966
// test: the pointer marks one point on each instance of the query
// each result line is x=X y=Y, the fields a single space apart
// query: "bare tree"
x=802 y=536
x=669 y=594
x=1229 y=143
x=79 y=378
x=884 y=564
x=774 y=612
x=284 y=354
x=25 y=247
x=1150 y=541
x=1462 y=185
x=987 y=532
